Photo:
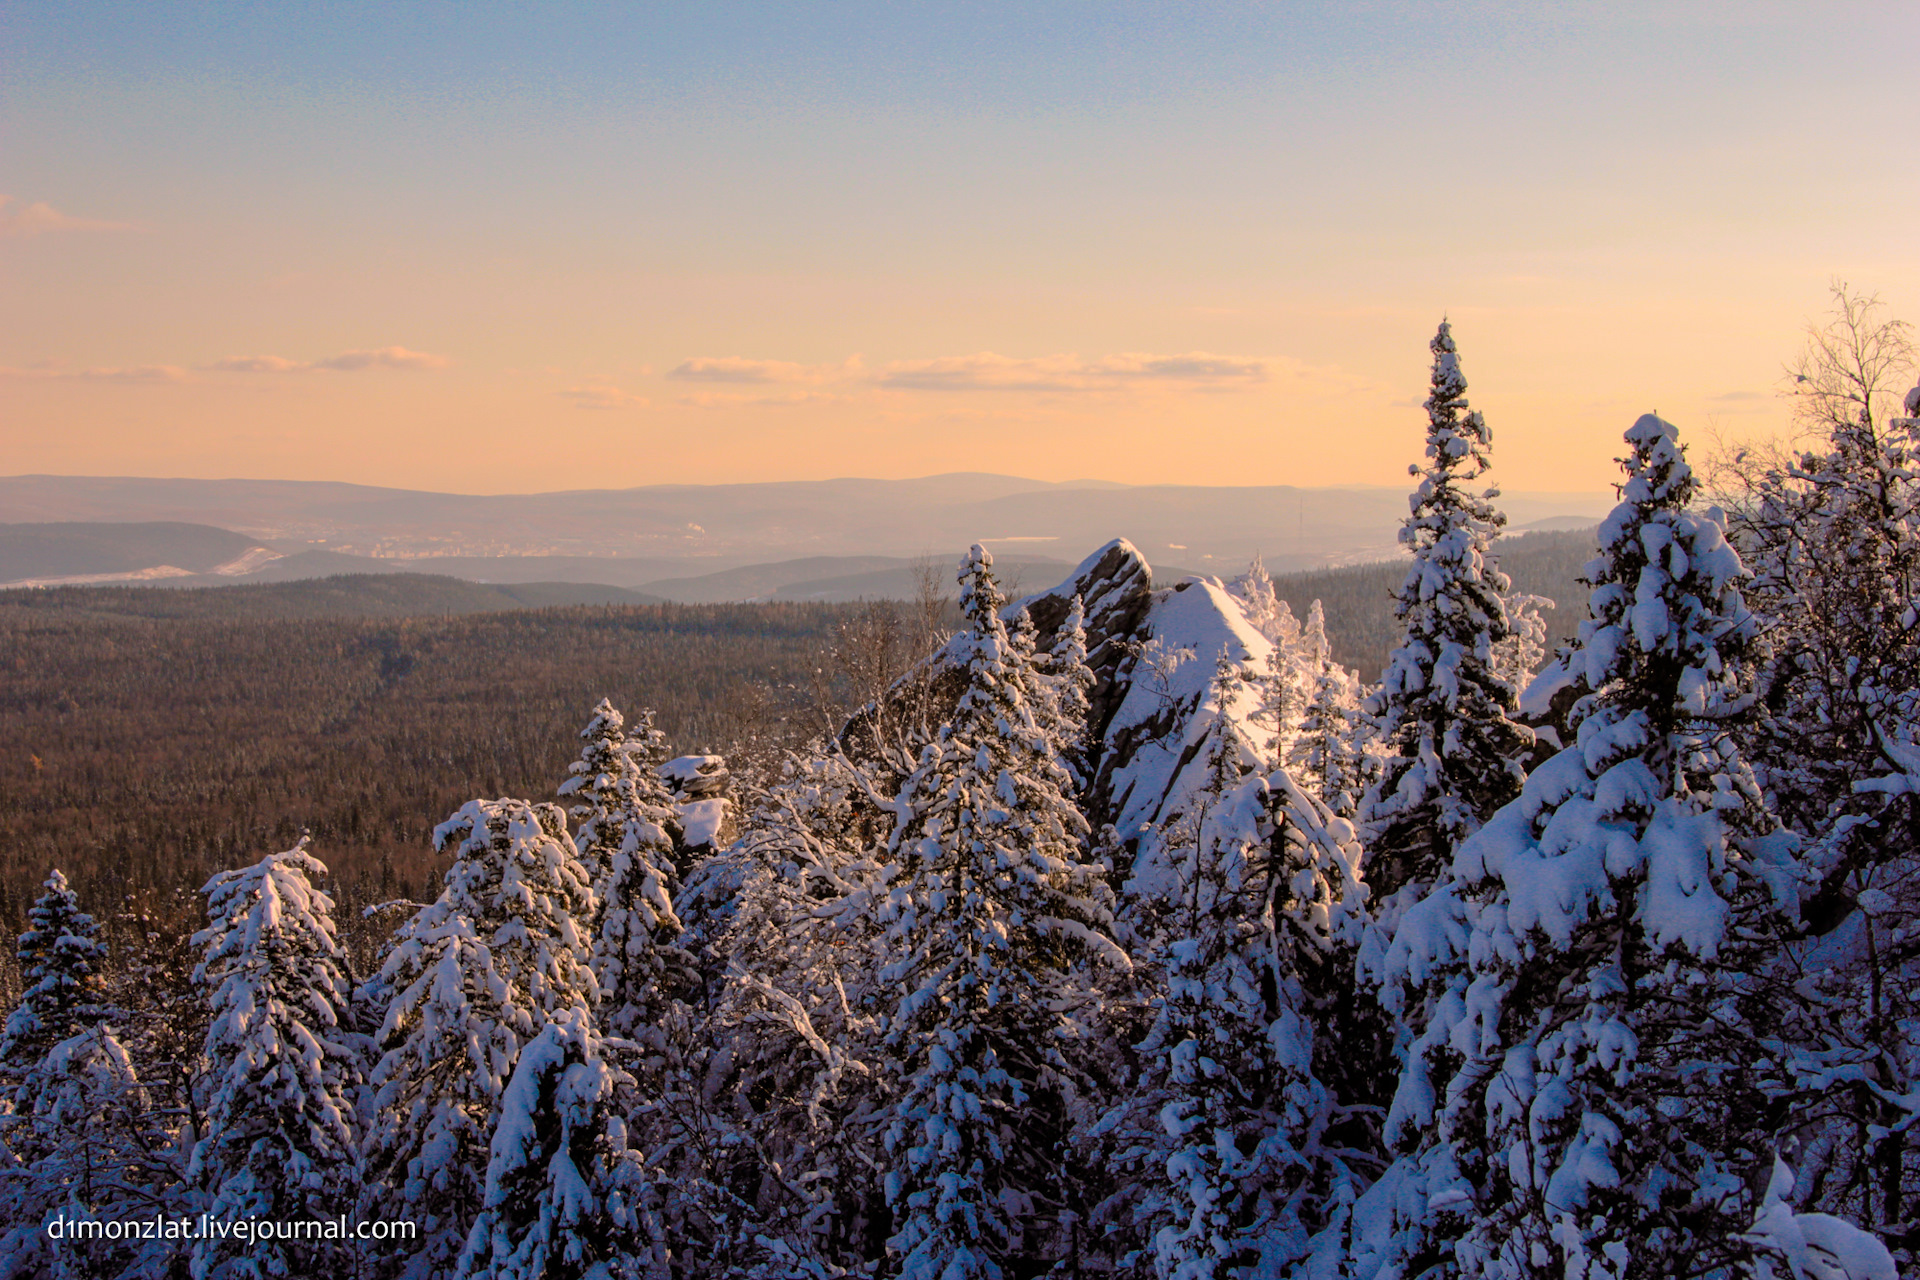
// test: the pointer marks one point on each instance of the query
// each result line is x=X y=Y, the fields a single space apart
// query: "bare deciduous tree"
x=1853 y=369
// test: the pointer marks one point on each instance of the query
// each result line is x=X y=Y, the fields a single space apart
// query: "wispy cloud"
x=988 y=371
x=603 y=398
x=255 y=364
x=345 y=362
x=39 y=218
x=738 y=371
x=384 y=358
x=135 y=373
x=982 y=371
x=129 y=375
x=1741 y=401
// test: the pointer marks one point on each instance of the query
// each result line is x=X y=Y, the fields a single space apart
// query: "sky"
x=506 y=248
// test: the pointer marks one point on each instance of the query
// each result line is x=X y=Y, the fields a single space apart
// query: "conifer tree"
x=1271 y=616
x=1581 y=1096
x=79 y=1134
x=282 y=1063
x=1517 y=658
x=61 y=957
x=1067 y=687
x=988 y=910
x=474 y=975
x=625 y=839
x=566 y=1196
x=1232 y=1169
x=1441 y=704
x=1329 y=757
x=1283 y=702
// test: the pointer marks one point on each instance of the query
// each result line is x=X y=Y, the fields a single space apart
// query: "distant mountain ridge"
x=709 y=528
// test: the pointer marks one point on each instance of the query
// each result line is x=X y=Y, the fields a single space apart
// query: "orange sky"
x=1150 y=247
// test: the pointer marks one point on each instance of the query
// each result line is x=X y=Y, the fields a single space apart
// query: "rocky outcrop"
x=1115 y=586
x=700 y=804
x=694 y=777
x=1154 y=653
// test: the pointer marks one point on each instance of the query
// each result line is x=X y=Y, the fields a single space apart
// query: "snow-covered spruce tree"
x=1330 y=757
x=1584 y=1092
x=1518 y=658
x=1271 y=616
x=282 y=1065
x=613 y=781
x=1223 y=1150
x=1068 y=686
x=1441 y=704
x=474 y=975
x=1329 y=754
x=82 y=1146
x=778 y=1121
x=1315 y=648
x=61 y=957
x=988 y=910
x=566 y=1197
x=80 y=1135
x=1286 y=686
x=625 y=840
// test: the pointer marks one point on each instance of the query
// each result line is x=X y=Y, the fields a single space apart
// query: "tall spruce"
x=1224 y=1143
x=989 y=909
x=61 y=960
x=625 y=839
x=1329 y=755
x=1442 y=704
x=1069 y=685
x=566 y=1196
x=475 y=975
x=282 y=1064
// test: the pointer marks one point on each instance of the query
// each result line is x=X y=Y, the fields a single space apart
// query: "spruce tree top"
x=613 y=781
x=1447 y=522
x=60 y=957
x=1668 y=626
x=516 y=886
x=1454 y=431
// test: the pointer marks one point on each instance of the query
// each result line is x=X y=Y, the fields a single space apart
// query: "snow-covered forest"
x=1126 y=934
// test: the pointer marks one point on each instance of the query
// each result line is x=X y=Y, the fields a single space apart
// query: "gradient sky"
x=504 y=248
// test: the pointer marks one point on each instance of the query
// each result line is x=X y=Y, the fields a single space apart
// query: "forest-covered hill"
x=355 y=595
x=1359 y=605
x=142 y=753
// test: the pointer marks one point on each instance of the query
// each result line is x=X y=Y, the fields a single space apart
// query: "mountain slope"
x=393 y=595
x=62 y=550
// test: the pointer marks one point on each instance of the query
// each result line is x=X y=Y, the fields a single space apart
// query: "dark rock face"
x=1115 y=586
